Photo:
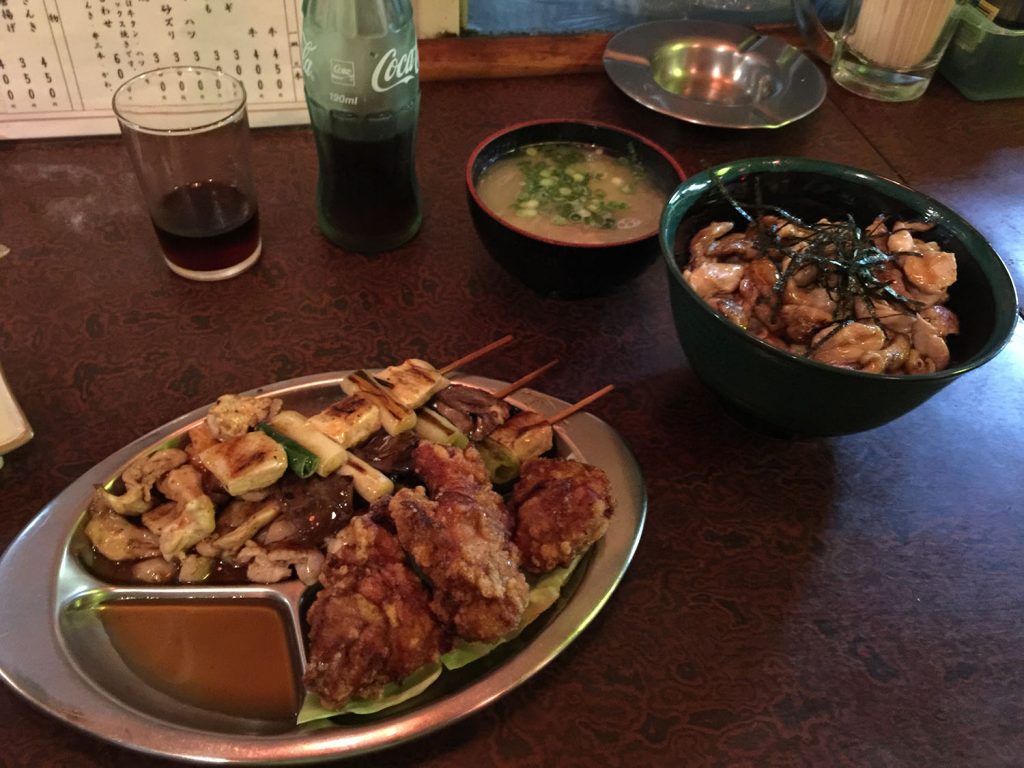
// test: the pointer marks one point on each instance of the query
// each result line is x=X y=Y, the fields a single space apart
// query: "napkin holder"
x=984 y=60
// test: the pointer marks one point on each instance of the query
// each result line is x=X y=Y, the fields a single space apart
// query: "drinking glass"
x=187 y=133
x=889 y=49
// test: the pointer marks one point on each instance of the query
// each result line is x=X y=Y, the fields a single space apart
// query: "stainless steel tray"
x=56 y=653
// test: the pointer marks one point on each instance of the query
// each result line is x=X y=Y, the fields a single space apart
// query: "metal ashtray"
x=714 y=74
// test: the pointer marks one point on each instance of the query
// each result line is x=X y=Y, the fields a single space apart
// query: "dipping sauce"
x=574 y=193
x=230 y=658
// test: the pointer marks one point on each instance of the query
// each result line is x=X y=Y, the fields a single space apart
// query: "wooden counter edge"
x=460 y=58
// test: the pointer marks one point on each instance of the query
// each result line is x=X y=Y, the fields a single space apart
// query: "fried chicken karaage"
x=560 y=508
x=459 y=537
x=371 y=623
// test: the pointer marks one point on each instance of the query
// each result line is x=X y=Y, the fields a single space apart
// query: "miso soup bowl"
x=553 y=267
x=790 y=395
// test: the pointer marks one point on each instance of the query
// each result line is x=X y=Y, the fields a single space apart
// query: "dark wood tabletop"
x=854 y=601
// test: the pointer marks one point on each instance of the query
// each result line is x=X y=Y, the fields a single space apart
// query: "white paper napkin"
x=14 y=427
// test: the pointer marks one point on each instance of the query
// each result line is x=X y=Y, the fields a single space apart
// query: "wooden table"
x=856 y=601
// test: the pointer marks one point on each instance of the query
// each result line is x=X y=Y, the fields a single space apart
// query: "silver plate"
x=714 y=74
x=58 y=657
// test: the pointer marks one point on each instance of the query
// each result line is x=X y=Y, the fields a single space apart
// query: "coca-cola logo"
x=308 y=49
x=393 y=70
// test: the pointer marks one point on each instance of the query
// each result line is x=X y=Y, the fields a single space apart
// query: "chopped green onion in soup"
x=573 y=192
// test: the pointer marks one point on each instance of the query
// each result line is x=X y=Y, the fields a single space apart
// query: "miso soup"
x=573 y=192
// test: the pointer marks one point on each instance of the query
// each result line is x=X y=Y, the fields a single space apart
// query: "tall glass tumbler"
x=188 y=137
x=889 y=49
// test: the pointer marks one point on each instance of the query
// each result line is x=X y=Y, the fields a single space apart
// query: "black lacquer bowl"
x=788 y=394
x=552 y=267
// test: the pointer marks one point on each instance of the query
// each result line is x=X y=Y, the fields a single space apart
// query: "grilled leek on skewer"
x=394 y=417
x=432 y=426
x=348 y=421
x=246 y=463
x=295 y=426
x=502 y=465
x=369 y=483
x=412 y=383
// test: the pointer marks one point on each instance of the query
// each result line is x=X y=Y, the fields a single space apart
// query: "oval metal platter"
x=56 y=654
x=716 y=74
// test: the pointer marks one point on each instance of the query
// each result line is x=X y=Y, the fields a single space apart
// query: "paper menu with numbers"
x=61 y=60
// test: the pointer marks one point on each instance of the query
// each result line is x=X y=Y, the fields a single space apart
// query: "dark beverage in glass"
x=207 y=228
x=191 y=157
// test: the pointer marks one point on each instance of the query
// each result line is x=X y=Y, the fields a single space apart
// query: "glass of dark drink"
x=188 y=137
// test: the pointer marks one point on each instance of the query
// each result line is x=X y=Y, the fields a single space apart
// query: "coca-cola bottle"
x=361 y=69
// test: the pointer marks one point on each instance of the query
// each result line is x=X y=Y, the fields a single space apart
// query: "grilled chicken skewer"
x=388 y=398
x=469 y=414
x=401 y=390
x=525 y=436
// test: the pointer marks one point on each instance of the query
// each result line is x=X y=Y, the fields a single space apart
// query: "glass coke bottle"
x=360 y=65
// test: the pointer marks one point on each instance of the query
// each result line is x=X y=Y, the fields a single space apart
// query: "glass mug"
x=889 y=49
x=187 y=133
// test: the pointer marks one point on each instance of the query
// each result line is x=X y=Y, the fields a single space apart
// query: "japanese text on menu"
x=61 y=60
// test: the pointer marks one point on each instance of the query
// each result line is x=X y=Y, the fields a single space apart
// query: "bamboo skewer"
x=475 y=355
x=566 y=413
x=522 y=381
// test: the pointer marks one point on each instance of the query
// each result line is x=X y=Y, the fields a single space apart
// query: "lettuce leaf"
x=394 y=693
x=543 y=594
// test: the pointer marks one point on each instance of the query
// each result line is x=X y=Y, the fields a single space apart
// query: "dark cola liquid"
x=367 y=195
x=207 y=226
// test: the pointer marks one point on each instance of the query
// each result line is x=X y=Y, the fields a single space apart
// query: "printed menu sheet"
x=62 y=60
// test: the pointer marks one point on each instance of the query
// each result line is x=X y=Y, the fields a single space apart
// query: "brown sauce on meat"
x=390 y=454
x=317 y=507
x=235 y=659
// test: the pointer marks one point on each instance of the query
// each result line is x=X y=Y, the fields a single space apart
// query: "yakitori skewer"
x=465 y=359
x=522 y=381
x=525 y=436
x=580 y=405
